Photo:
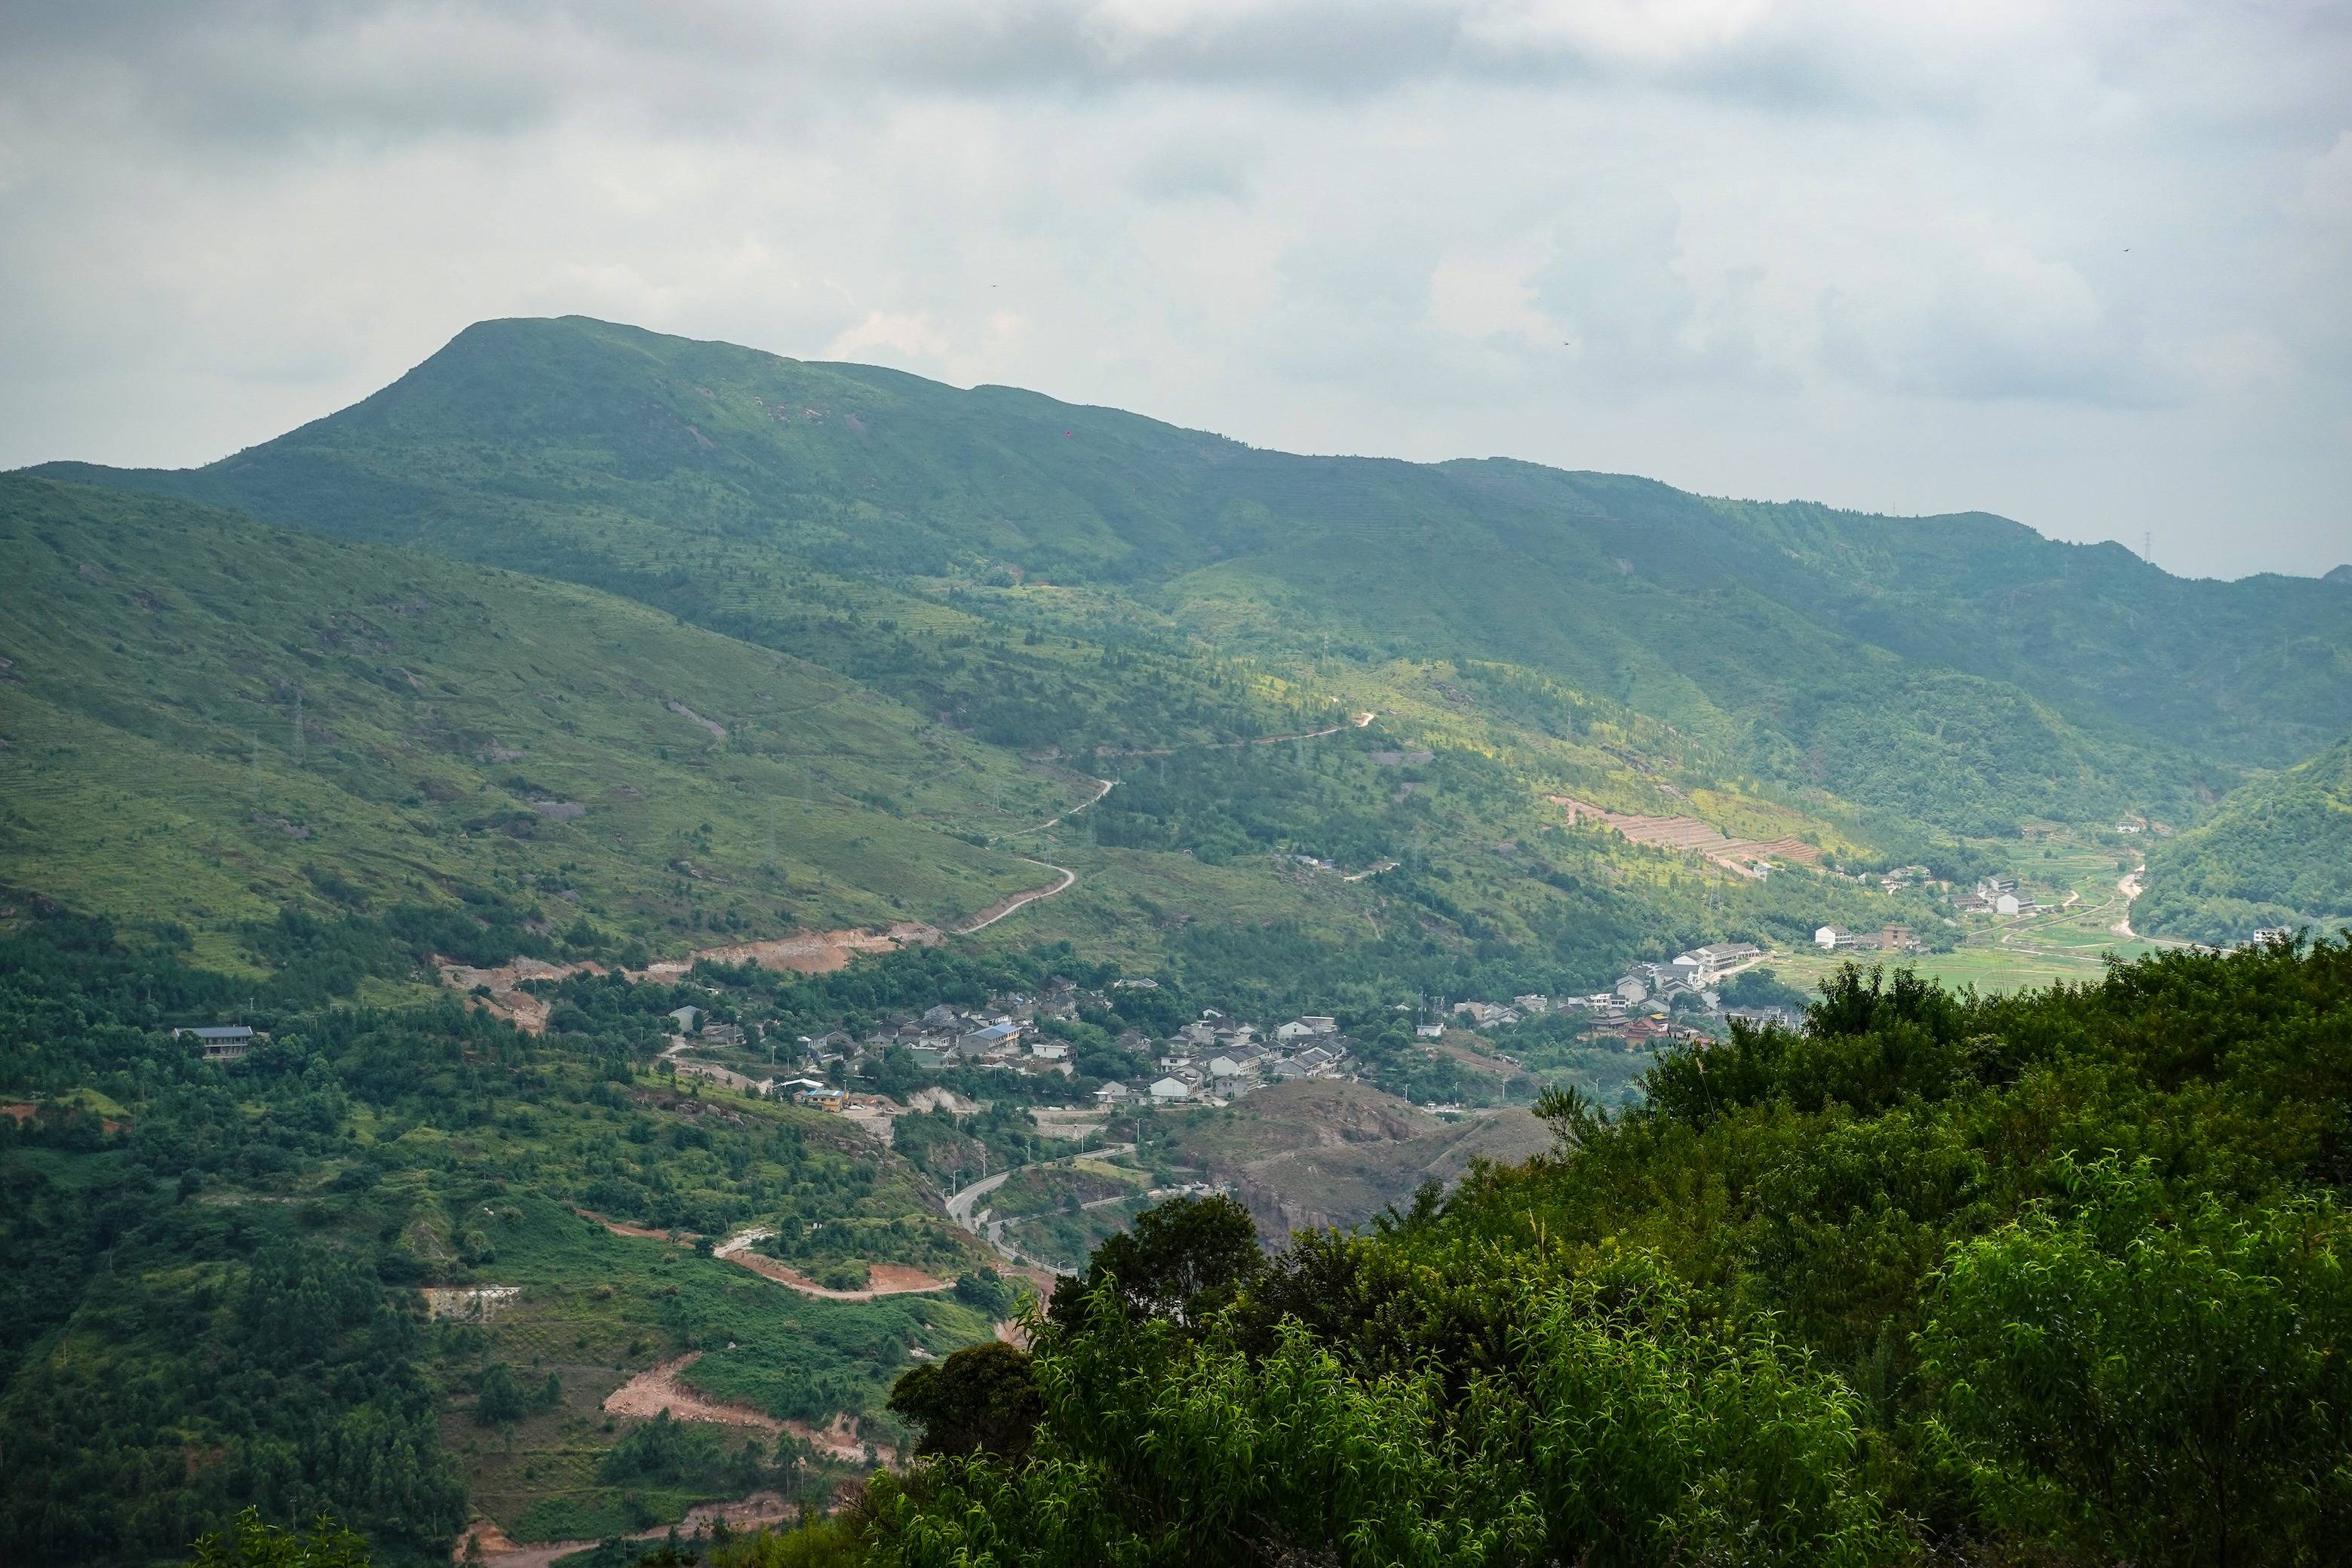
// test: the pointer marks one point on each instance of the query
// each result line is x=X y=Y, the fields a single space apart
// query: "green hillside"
x=206 y=718
x=1057 y=576
x=542 y=763
x=2277 y=852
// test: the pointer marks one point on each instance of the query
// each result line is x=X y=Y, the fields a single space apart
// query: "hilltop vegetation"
x=2277 y=852
x=209 y=721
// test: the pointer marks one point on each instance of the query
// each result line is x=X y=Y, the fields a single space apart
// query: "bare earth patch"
x=500 y=1550
x=840 y=1441
x=808 y=952
x=657 y=1390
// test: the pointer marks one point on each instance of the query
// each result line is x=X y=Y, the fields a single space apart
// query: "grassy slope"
x=158 y=651
x=1873 y=657
x=2277 y=852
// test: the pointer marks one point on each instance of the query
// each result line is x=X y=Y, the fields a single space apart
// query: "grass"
x=2005 y=954
x=207 y=719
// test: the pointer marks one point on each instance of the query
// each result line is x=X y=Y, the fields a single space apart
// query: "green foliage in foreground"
x=2057 y=1279
x=254 y=1542
x=2278 y=852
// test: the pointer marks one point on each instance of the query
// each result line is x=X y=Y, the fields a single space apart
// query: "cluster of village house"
x=1997 y=895
x=1636 y=1010
x=1212 y=1059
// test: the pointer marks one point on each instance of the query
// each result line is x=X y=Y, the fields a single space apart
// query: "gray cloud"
x=2083 y=262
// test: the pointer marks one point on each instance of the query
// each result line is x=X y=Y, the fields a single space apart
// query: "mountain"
x=1110 y=570
x=206 y=718
x=2277 y=852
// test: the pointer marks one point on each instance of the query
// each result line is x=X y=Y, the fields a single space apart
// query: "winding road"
x=959 y=1203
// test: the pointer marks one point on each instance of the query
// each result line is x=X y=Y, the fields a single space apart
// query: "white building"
x=1168 y=1091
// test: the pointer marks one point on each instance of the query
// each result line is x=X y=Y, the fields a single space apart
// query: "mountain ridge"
x=2080 y=679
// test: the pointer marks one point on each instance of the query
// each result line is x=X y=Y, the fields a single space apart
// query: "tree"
x=982 y=1399
x=500 y=1400
x=252 y=1544
x=2155 y=1390
x=1181 y=1260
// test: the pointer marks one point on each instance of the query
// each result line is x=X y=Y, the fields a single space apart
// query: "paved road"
x=959 y=1203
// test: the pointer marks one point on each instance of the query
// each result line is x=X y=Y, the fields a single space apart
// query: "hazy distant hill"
x=2276 y=853
x=204 y=717
x=1957 y=670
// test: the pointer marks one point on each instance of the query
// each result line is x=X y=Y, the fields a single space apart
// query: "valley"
x=727 y=880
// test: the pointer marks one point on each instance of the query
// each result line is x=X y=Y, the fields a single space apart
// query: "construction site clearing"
x=1749 y=857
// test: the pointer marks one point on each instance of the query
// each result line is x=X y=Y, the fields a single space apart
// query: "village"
x=903 y=1062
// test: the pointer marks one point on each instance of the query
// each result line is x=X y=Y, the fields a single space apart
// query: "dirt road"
x=1005 y=906
x=961 y=1203
x=2130 y=888
x=882 y=1279
x=499 y=1551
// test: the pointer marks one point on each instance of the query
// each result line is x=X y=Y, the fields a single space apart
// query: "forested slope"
x=1959 y=670
x=2277 y=852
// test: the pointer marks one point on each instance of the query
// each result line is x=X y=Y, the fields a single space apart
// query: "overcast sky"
x=2086 y=265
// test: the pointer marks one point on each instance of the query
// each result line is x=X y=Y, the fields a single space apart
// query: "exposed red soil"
x=840 y=1441
x=1693 y=836
x=808 y=953
x=657 y=1390
x=500 y=1550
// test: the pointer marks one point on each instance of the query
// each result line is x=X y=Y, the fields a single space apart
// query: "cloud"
x=2000 y=323
x=2080 y=260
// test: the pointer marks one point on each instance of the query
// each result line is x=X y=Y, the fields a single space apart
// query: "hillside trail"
x=960 y=1204
x=657 y=1390
x=803 y=952
x=1354 y=721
